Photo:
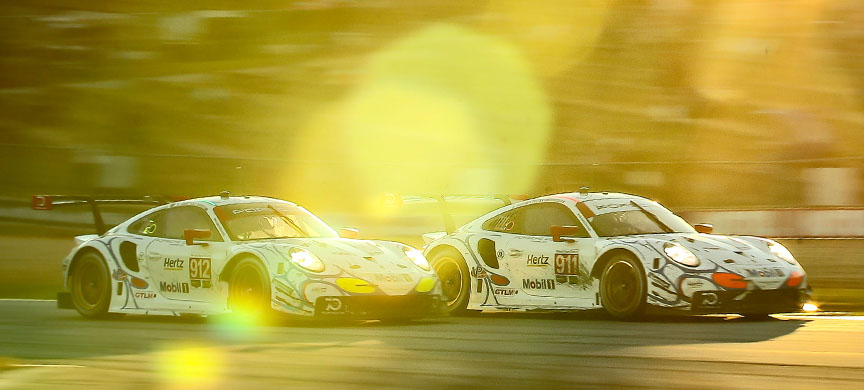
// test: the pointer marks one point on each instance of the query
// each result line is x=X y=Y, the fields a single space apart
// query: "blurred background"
x=746 y=113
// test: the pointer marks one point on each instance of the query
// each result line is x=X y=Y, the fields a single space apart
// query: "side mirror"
x=705 y=228
x=191 y=234
x=349 y=233
x=557 y=231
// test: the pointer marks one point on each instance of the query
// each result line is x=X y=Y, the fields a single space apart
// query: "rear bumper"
x=64 y=300
x=749 y=302
x=379 y=307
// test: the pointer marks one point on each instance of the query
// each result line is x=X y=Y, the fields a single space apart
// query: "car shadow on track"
x=602 y=315
x=31 y=330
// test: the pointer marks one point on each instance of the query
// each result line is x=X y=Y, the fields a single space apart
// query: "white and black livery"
x=217 y=254
x=620 y=252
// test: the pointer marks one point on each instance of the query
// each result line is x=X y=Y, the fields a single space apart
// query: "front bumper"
x=379 y=307
x=749 y=302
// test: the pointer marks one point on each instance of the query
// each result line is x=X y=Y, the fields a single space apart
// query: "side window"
x=148 y=225
x=538 y=219
x=178 y=219
x=507 y=222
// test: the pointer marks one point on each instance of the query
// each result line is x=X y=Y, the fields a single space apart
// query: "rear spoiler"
x=392 y=199
x=49 y=202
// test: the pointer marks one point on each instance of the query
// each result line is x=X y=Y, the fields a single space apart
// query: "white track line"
x=26 y=300
x=829 y=317
x=47 y=365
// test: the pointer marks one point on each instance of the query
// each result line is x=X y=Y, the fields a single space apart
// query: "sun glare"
x=190 y=367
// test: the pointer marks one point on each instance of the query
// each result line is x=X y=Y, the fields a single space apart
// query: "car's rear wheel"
x=455 y=280
x=90 y=285
x=249 y=289
x=622 y=287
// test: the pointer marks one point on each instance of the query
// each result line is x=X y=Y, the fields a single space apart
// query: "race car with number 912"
x=227 y=253
x=624 y=253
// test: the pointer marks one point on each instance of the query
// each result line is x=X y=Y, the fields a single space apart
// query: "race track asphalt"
x=42 y=347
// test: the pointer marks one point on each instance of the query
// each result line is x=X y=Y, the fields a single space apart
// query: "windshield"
x=621 y=217
x=256 y=221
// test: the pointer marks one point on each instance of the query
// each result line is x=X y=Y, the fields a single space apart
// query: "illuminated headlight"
x=781 y=252
x=417 y=258
x=680 y=254
x=306 y=259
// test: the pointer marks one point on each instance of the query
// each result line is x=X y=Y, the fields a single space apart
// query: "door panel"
x=184 y=272
x=546 y=268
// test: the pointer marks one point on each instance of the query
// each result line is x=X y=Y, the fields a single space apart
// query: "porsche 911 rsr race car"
x=218 y=254
x=620 y=252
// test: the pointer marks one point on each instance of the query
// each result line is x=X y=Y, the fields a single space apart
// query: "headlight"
x=781 y=252
x=681 y=254
x=306 y=259
x=417 y=258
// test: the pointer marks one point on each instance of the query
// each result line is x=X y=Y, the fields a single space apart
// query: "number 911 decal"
x=568 y=270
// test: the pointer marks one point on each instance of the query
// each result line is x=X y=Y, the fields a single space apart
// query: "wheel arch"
x=79 y=253
x=235 y=258
x=441 y=248
x=600 y=264
x=458 y=243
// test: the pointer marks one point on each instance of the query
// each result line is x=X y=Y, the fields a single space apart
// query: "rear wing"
x=442 y=200
x=49 y=202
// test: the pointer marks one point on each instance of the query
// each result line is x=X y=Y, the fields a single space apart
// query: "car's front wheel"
x=249 y=289
x=90 y=285
x=455 y=280
x=622 y=287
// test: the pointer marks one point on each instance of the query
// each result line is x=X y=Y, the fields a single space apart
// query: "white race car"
x=621 y=252
x=218 y=254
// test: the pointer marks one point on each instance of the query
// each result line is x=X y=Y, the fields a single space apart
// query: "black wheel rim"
x=90 y=283
x=247 y=288
x=621 y=289
x=451 y=277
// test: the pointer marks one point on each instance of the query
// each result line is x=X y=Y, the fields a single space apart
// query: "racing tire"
x=249 y=290
x=455 y=280
x=623 y=287
x=90 y=286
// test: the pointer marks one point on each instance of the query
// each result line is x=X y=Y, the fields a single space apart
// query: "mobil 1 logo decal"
x=568 y=269
x=200 y=271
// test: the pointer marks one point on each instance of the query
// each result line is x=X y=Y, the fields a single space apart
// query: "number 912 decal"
x=200 y=271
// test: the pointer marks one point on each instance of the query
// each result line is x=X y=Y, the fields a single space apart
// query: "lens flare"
x=444 y=109
x=190 y=367
x=245 y=322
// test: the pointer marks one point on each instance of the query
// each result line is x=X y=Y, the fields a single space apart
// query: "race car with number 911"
x=624 y=253
x=227 y=253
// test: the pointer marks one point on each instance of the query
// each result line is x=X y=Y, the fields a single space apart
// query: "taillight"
x=795 y=279
x=729 y=280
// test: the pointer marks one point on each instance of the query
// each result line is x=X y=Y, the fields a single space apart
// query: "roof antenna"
x=584 y=189
x=224 y=194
